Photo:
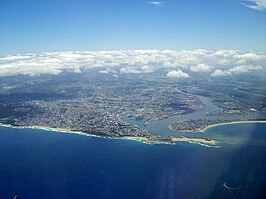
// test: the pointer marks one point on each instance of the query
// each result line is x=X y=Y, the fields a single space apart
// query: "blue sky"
x=64 y=25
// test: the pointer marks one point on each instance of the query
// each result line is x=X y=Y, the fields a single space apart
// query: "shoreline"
x=47 y=128
x=196 y=140
x=144 y=140
x=69 y=131
x=233 y=122
x=218 y=124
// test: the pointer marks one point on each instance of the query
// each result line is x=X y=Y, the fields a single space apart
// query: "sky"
x=30 y=26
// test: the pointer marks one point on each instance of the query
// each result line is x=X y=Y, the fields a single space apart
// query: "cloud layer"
x=214 y=63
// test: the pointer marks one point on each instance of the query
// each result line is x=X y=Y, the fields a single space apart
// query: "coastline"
x=196 y=140
x=218 y=124
x=233 y=122
x=65 y=130
x=47 y=128
x=144 y=140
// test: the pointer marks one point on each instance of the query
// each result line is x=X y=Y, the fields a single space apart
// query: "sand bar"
x=197 y=140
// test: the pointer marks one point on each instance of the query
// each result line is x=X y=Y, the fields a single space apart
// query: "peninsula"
x=200 y=125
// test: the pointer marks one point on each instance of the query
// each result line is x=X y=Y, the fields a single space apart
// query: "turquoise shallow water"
x=43 y=164
x=239 y=134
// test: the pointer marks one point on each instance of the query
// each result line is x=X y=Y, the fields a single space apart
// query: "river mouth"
x=160 y=127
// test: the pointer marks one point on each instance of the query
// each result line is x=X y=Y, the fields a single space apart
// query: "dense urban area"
x=96 y=103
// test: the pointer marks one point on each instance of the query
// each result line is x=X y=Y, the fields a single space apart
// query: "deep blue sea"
x=42 y=164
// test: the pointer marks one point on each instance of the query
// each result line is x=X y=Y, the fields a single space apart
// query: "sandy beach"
x=234 y=122
x=196 y=140
x=140 y=139
x=46 y=128
x=65 y=130
x=219 y=124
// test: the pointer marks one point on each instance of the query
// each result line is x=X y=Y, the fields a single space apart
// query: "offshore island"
x=129 y=106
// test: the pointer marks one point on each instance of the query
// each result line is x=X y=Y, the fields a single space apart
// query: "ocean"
x=42 y=164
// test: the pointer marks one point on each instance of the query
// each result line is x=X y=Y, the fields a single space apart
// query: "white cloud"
x=236 y=70
x=129 y=69
x=177 y=73
x=244 y=69
x=129 y=61
x=147 y=69
x=255 y=4
x=104 y=71
x=219 y=72
x=201 y=68
x=108 y=71
x=156 y=3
